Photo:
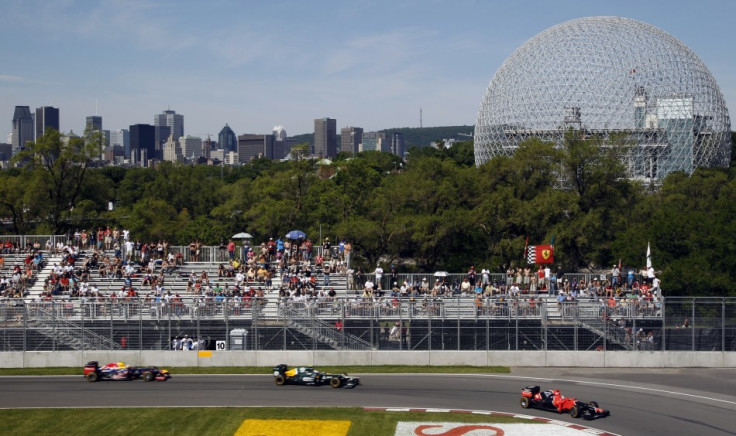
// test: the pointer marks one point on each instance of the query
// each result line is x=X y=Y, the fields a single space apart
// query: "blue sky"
x=255 y=64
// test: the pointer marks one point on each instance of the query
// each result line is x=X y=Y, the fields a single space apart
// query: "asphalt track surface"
x=642 y=401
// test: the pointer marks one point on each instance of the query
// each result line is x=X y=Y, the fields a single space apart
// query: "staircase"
x=608 y=330
x=324 y=332
x=68 y=333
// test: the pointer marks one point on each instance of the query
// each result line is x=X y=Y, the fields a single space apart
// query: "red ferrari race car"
x=120 y=371
x=552 y=400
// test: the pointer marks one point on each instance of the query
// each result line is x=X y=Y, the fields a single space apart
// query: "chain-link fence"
x=461 y=323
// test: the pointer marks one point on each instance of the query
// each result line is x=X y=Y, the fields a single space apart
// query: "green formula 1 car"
x=306 y=375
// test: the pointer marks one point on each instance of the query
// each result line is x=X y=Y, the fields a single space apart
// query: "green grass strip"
x=209 y=421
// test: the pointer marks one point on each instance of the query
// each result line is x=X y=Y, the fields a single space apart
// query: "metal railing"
x=456 y=323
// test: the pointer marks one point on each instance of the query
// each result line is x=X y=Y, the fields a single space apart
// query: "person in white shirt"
x=128 y=250
x=655 y=287
x=485 y=277
x=650 y=274
x=379 y=274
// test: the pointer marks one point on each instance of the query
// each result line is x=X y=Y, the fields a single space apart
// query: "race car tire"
x=593 y=404
x=575 y=412
x=92 y=377
x=335 y=382
x=148 y=376
x=279 y=380
x=524 y=402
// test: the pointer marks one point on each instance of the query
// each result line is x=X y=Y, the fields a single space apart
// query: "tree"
x=13 y=192
x=592 y=168
x=58 y=165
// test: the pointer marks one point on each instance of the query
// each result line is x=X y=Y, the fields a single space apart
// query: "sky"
x=256 y=64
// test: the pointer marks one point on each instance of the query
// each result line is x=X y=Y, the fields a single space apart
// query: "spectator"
x=485 y=275
x=615 y=276
x=379 y=274
x=471 y=276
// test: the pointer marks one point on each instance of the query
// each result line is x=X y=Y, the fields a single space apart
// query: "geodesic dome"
x=605 y=76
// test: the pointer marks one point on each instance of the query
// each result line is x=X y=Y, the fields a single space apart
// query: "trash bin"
x=238 y=339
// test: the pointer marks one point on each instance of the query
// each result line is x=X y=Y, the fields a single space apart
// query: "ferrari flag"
x=540 y=254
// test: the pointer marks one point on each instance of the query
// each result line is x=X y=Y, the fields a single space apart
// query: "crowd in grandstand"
x=297 y=273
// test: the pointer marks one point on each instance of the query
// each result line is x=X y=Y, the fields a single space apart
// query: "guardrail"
x=459 y=323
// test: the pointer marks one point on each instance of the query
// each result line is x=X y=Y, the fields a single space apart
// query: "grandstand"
x=108 y=317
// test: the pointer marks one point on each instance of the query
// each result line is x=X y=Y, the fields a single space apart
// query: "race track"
x=666 y=401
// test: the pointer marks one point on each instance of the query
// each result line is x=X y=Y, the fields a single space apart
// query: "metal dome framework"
x=606 y=76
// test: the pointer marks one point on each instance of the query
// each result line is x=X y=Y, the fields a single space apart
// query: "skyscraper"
x=350 y=139
x=122 y=138
x=172 y=151
x=22 y=127
x=94 y=122
x=281 y=143
x=227 y=139
x=191 y=147
x=46 y=117
x=166 y=124
x=374 y=141
x=142 y=143
x=254 y=146
x=397 y=144
x=207 y=146
x=325 y=137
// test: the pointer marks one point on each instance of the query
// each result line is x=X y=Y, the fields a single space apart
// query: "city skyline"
x=255 y=66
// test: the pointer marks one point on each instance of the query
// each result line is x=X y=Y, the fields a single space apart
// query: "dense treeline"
x=435 y=211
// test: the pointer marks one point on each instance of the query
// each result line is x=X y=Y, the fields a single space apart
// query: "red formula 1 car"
x=120 y=371
x=552 y=400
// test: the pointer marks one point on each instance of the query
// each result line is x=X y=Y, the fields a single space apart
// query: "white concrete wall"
x=597 y=359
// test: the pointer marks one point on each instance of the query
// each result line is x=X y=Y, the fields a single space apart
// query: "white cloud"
x=20 y=80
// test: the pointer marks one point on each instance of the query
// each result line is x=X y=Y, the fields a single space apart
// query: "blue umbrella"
x=296 y=234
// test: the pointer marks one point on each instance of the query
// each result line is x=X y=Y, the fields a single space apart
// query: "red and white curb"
x=569 y=425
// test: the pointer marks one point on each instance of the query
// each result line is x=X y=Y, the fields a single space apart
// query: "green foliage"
x=55 y=168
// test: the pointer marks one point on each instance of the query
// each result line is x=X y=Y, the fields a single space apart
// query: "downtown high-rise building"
x=166 y=124
x=325 y=137
x=121 y=138
x=172 y=150
x=93 y=123
x=281 y=143
x=191 y=147
x=22 y=127
x=207 y=146
x=47 y=117
x=374 y=141
x=142 y=143
x=252 y=146
x=227 y=139
x=397 y=144
x=350 y=139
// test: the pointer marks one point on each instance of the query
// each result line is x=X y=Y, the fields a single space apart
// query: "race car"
x=120 y=371
x=552 y=400
x=306 y=375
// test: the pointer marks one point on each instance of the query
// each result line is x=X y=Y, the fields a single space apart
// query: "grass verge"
x=214 y=421
x=383 y=369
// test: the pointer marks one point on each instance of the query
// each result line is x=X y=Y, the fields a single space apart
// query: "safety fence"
x=460 y=323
